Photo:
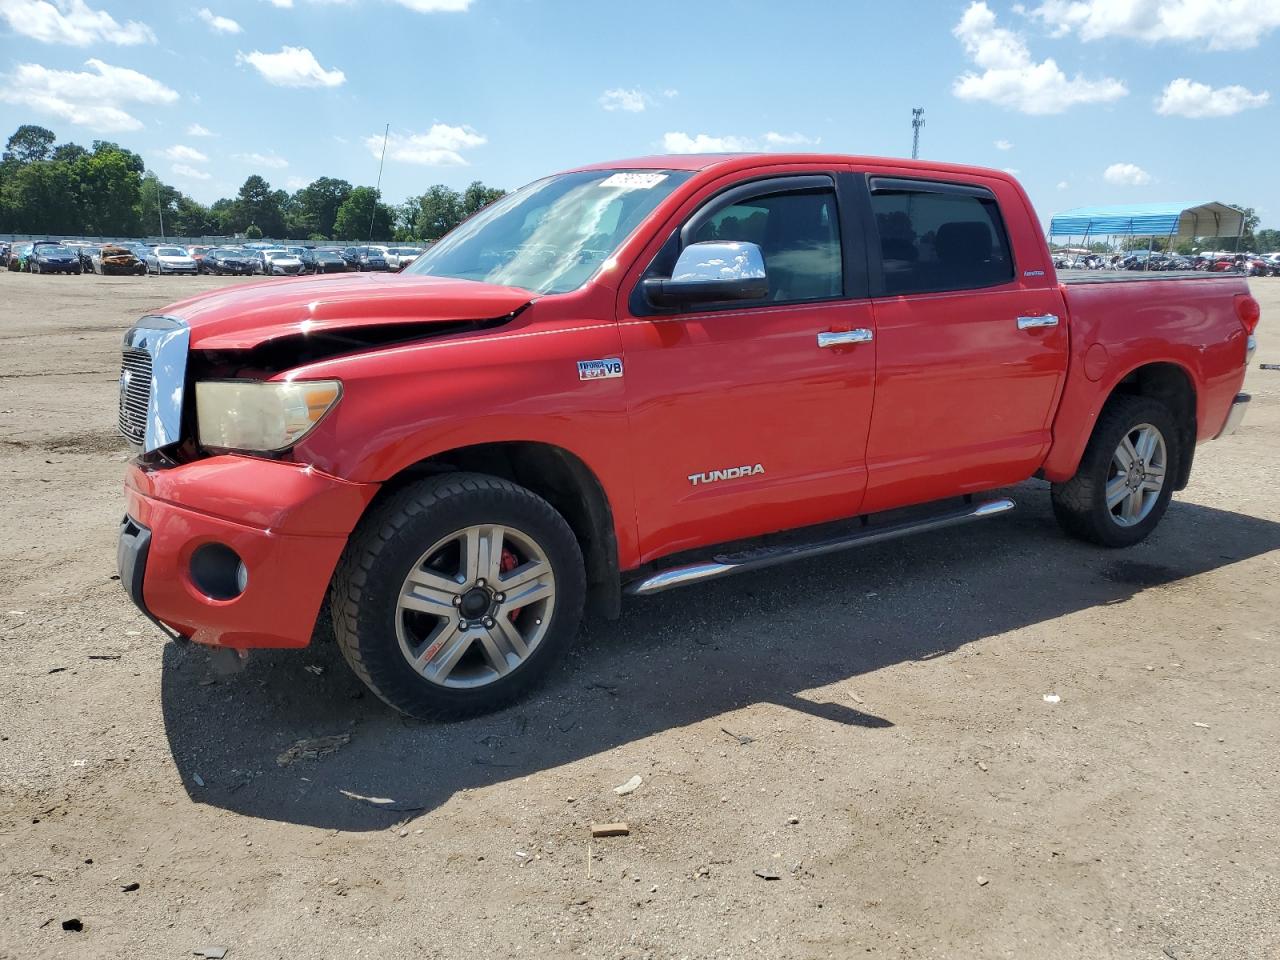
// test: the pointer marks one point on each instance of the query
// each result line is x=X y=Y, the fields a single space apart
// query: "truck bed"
x=1128 y=276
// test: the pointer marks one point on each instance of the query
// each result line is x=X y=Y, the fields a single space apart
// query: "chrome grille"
x=135 y=394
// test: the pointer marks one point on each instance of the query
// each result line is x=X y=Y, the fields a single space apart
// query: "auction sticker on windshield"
x=633 y=181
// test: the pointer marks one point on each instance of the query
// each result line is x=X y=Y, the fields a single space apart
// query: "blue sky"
x=1089 y=101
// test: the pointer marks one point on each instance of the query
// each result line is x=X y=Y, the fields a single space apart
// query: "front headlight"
x=261 y=416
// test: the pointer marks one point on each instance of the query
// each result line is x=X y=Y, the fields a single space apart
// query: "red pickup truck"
x=639 y=375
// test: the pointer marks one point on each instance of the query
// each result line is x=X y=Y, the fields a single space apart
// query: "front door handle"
x=844 y=338
x=1034 y=323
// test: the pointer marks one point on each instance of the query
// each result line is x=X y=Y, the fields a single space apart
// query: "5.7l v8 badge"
x=599 y=369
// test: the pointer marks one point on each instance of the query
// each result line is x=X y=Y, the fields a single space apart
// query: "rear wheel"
x=457 y=595
x=1125 y=479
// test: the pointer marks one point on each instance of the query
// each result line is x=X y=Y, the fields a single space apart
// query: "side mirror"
x=709 y=272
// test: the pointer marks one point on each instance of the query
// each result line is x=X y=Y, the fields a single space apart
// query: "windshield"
x=170 y=252
x=552 y=235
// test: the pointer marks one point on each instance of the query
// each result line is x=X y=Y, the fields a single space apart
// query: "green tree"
x=223 y=211
x=433 y=214
x=68 y=153
x=43 y=197
x=30 y=143
x=478 y=196
x=362 y=208
x=110 y=191
x=253 y=232
x=256 y=203
x=314 y=208
x=193 y=219
x=1143 y=243
x=131 y=159
x=156 y=199
x=1268 y=241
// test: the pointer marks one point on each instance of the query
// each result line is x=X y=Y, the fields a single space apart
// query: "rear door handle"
x=844 y=338
x=1034 y=323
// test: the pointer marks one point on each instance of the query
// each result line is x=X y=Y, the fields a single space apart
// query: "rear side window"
x=937 y=241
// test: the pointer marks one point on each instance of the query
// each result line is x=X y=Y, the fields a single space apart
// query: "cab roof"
x=697 y=162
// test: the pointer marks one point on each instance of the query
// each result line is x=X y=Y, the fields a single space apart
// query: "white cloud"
x=436 y=6
x=1063 y=185
x=188 y=154
x=191 y=173
x=196 y=130
x=773 y=139
x=1011 y=171
x=291 y=67
x=440 y=146
x=217 y=23
x=269 y=160
x=1011 y=78
x=1126 y=175
x=1186 y=98
x=71 y=21
x=61 y=93
x=296 y=183
x=632 y=101
x=678 y=142
x=1003 y=145
x=671 y=93
x=1217 y=24
x=418 y=6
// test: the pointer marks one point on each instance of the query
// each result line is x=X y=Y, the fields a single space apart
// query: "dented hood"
x=246 y=316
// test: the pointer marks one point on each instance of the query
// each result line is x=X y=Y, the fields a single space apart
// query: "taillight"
x=1248 y=311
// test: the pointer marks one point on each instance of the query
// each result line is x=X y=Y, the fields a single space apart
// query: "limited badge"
x=599 y=369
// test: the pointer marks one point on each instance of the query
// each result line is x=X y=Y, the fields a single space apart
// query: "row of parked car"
x=1250 y=264
x=268 y=259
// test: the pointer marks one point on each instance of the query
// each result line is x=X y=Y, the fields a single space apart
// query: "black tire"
x=1080 y=504
x=389 y=542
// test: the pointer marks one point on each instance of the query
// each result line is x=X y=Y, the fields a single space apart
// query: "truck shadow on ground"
x=673 y=660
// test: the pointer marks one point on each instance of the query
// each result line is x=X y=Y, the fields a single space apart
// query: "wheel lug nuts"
x=457 y=601
x=500 y=597
x=463 y=625
x=480 y=582
x=488 y=622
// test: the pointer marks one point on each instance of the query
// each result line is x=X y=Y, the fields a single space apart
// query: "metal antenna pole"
x=159 y=210
x=377 y=191
x=917 y=121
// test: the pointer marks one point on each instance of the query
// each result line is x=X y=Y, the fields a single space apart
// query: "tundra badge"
x=729 y=473
x=599 y=369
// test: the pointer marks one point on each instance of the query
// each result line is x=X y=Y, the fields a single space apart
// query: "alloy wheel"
x=475 y=606
x=1137 y=475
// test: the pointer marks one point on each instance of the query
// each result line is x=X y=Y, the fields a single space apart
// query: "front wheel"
x=1125 y=478
x=457 y=595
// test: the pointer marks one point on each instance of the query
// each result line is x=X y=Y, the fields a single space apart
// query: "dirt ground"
x=872 y=729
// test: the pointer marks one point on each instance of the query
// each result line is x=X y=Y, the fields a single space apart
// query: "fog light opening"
x=218 y=572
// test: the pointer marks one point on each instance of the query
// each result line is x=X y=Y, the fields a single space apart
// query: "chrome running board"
x=726 y=563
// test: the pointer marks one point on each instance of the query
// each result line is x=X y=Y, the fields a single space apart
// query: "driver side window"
x=799 y=236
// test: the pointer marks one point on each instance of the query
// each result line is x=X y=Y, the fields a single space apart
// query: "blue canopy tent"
x=1205 y=218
